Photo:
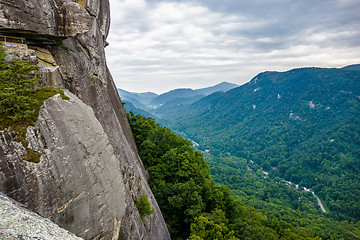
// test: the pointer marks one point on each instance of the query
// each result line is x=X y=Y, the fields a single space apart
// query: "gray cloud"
x=162 y=45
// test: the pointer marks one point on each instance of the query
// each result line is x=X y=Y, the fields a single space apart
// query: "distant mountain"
x=139 y=100
x=301 y=125
x=352 y=67
x=187 y=93
x=221 y=87
x=168 y=104
x=181 y=93
x=173 y=107
x=144 y=97
x=130 y=107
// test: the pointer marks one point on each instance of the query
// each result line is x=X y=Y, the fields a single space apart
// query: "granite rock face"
x=19 y=223
x=89 y=173
x=55 y=18
x=76 y=152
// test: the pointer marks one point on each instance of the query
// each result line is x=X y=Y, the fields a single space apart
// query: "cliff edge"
x=89 y=175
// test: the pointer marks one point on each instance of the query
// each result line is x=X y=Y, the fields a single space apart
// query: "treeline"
x=193 y=206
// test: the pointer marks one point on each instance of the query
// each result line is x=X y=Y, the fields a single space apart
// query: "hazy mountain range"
x=167 y=104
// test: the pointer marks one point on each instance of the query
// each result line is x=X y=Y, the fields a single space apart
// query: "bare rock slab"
x=16 y=222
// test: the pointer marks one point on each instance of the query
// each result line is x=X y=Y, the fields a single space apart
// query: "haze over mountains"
x=164 y=105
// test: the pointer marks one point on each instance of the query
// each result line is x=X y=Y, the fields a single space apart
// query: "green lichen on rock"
x=32 y=156
x=21 y=99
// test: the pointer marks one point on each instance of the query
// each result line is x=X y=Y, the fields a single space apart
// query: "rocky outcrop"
x=54 y=18
x=89 y=172
x=76 y=152
x=19 y=223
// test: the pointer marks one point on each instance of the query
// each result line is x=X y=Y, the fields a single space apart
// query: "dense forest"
x=194 y=207
x=301 y=126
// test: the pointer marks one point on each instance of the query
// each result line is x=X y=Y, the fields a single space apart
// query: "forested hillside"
x=196 y=208
x=302 y=126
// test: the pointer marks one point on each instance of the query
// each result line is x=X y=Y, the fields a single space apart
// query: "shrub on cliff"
x=144 y=207
x=17 y=87
x=21 y=99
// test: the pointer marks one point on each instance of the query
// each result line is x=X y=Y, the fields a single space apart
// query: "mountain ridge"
x=164 y=105
x=281 y=116
x=279 y=139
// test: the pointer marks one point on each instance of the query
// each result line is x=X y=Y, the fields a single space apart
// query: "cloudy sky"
x=159 y=45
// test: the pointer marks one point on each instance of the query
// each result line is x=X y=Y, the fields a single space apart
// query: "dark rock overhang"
x=31 y=37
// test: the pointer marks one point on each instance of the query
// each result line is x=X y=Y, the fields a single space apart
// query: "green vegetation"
x=192 y=205
x=301 y=126
x=277 y=199
x=205 y=228
x=144 y=206
x=21 y=99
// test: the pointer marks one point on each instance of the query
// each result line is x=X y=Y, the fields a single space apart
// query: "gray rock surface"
x=16 y=222
x=78 y=182
x=19 y=51
x=56 y=18
x=89 y=172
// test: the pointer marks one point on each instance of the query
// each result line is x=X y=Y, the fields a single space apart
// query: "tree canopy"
x=194 y=207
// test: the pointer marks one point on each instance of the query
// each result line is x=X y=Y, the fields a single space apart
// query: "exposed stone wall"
x=19 y=223
x=56 y=17
x=89 y=172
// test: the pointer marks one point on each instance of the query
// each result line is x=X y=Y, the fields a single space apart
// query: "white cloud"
x=347 y=2
x=158 y=46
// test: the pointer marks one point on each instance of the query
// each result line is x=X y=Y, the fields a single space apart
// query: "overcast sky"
x=162 y=45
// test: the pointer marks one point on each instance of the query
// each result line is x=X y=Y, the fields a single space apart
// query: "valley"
x=298 y=131
x=226 y=134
